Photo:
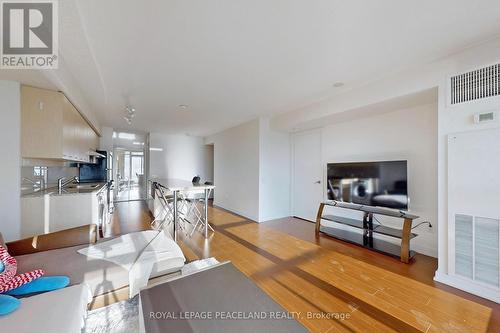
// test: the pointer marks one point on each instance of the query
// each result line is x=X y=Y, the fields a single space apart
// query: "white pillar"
x=10 y=154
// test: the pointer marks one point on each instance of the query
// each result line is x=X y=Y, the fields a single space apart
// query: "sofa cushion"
x=138 y=253
x=101 y=276
x=59 y=311
x=8 y=304
x=40 y=285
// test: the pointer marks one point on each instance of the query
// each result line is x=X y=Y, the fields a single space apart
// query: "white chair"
x=194 y=198
x=166 y=216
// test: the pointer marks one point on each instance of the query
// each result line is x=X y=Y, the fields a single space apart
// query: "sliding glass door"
x=130 y=183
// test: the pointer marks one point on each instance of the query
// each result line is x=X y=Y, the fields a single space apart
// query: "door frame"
x=116 y=152
x=317 y=130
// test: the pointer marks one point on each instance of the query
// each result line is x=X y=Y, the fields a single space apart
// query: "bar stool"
x=199 y=197
x=166 y=199
x=166 y=215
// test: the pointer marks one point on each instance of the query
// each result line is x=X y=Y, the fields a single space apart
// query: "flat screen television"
x=382 y=184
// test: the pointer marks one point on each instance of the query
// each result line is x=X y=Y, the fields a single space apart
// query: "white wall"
x=236 y=169
x=450 y=118
x=274 y=190
x=182 y=157
x=252 y=170
x=10 y=168
x=408 y=134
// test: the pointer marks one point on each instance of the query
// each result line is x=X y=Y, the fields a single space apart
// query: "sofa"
x=42 y=313
x=56 y=253
x=59 y=311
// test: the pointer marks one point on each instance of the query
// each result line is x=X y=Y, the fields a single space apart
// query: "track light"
x=129 y=114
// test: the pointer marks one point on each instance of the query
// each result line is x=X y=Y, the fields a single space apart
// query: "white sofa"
x=60 y=311
x=92 y=281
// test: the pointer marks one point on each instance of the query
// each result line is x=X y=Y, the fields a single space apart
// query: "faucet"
x=62 y=182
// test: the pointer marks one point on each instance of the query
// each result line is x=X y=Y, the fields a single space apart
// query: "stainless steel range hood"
x=96 y=154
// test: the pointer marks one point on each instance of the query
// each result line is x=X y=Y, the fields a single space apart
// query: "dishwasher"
x=102 y=205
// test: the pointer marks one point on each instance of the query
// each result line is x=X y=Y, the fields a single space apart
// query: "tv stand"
x=366 y=238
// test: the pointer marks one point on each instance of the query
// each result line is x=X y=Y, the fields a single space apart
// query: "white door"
x=307 y=174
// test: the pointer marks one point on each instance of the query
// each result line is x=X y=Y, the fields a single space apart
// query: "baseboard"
x=276 y=217
x=216 y=204
x=491 y=294
x=431 y=252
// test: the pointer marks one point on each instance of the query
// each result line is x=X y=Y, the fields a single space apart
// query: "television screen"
x=383 y=184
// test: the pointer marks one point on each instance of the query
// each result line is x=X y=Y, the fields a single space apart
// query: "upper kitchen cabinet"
x=78 y=137
x=41 y=123
x=52 y=128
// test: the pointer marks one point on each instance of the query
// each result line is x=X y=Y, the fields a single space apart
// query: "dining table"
x=177 y=186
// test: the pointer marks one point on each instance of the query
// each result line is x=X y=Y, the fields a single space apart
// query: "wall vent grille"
x=477 y=249
x=474 y=85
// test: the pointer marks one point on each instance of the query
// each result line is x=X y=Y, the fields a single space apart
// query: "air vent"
x=464 y=245
x=477 y=246
x=474 y=85
x=486 y=250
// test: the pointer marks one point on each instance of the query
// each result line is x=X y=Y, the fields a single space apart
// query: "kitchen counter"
x=80 y=188
x=77 y=204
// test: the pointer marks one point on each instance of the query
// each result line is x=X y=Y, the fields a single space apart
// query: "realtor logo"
x=29 y=34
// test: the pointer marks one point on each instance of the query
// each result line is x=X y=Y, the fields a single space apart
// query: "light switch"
x=40 y=106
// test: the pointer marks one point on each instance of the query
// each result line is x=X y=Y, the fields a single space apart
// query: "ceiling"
x=230 y=61
x=404 y=102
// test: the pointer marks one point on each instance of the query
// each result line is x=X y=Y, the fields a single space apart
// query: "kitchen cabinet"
x=75 y=135
x=70 y=211
x=52 y=128
x=41 y=123
x=49 y=213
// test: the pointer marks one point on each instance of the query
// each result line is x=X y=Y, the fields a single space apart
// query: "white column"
x=10 y=166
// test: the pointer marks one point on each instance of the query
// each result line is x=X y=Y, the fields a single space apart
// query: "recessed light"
x=338 y=84
x=182 y=106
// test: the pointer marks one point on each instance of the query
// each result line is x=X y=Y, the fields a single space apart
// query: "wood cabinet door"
x=41 y=123
x=70 y=129
x=52 y=128
x=79 y=137
x=83 y=139
x=94 y=140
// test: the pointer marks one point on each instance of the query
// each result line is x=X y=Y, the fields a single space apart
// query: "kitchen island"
x=49 y=210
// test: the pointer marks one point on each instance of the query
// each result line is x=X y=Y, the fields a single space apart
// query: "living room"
x=286 y=166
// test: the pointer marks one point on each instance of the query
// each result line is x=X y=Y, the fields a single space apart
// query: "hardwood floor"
x=319 y=277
